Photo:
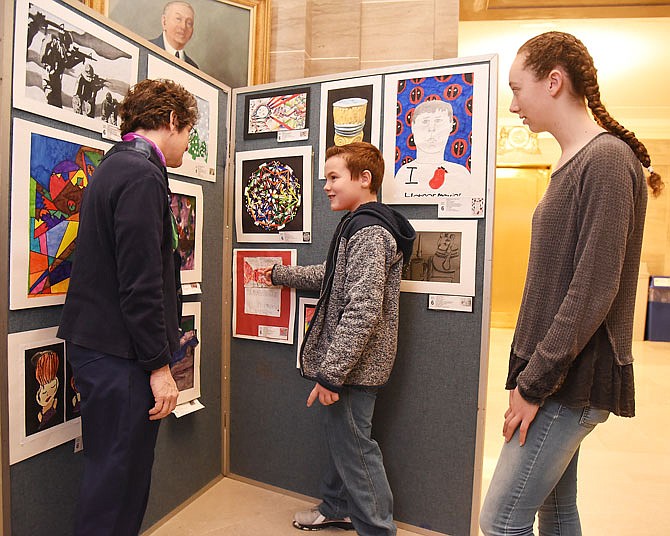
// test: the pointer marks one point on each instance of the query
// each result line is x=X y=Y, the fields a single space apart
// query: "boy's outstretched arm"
x=325 y=396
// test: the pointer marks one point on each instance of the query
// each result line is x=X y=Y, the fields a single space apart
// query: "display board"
x=58 y=135
x=435 y=124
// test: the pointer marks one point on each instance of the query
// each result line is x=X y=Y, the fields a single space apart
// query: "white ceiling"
x=632 y=57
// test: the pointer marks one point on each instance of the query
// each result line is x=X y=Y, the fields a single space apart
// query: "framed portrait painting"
x=435 y=139
x=50 y=170
x=262 y=312
x=199 y=161
x=68 y=68
x=44 y=404
x=443 y=258
x=230 y=40
x=273 y=195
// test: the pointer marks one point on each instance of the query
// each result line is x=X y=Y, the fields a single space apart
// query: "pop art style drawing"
x=435 y=135
x=42 y=412
x=200 y=159
x=350 y=111
x=265 y=115
x=50 y=170
x=273 y=195
x=69 y=68
x=262 y=312
x=185 y=364
x=443 y=258
x=186 y=204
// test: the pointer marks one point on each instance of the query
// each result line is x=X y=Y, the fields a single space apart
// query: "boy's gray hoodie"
x=352 y=338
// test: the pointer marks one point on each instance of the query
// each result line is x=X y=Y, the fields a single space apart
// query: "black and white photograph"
x=69 y=69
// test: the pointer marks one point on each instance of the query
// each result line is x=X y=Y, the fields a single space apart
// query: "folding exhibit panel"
x=435 y=124
x=51 y=143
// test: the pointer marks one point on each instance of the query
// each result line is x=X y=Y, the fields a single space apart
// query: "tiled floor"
x=624 y=467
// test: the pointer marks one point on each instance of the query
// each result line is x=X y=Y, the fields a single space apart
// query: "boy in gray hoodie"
x=350 y=347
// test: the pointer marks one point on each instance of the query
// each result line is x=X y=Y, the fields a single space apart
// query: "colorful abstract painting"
x=273 y=195
x=265 y=115
x=50 y=172
x=186 y=204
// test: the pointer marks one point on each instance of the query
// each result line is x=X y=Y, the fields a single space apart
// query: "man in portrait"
x=432 y=122
x=177 y=20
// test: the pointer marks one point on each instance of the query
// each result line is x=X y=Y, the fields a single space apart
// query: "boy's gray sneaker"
x=315 y=520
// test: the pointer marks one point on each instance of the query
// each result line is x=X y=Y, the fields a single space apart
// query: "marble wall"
x=318 y=37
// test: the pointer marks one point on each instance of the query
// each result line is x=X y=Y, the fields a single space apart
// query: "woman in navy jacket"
x=121 y=315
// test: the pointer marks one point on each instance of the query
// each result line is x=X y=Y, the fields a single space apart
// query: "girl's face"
x=47 y=393
x=530 y=97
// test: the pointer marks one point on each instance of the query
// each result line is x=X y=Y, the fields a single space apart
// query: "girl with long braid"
x=571 y=357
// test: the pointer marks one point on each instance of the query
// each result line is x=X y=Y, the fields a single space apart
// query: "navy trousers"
x=119 y=441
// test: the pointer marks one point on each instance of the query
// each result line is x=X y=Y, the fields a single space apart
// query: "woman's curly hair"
x=148 y=105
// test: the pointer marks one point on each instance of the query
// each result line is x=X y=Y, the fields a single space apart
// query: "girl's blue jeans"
x=541 y=476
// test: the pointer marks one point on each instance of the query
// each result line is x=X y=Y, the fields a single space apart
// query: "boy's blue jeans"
x=355 y=482
x=541 y=476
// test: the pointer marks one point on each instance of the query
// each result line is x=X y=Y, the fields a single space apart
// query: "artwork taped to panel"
x=306 y=310
x=443 y=258
x=186 y=204
x=273 y=195
x=435 y=139
x=350 y=111
x=266 y=114
x=260 y=311
x=200 y=159
x=50 y=170
x=69 y=68
x=185 y=364
x=43 y=400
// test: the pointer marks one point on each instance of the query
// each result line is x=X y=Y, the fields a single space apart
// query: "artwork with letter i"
x=50 y=171
x=435 y=139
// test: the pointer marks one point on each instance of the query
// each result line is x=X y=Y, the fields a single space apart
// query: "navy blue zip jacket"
x=123 y=295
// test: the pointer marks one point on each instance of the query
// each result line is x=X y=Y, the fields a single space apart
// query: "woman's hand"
x=519 y=415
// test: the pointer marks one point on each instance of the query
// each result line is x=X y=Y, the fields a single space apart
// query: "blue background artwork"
x=455 y=89
x=59 y=172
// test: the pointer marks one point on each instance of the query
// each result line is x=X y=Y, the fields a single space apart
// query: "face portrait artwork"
x=44 y=388
x=435 y=135
x=434 y=128
x=178 y=21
